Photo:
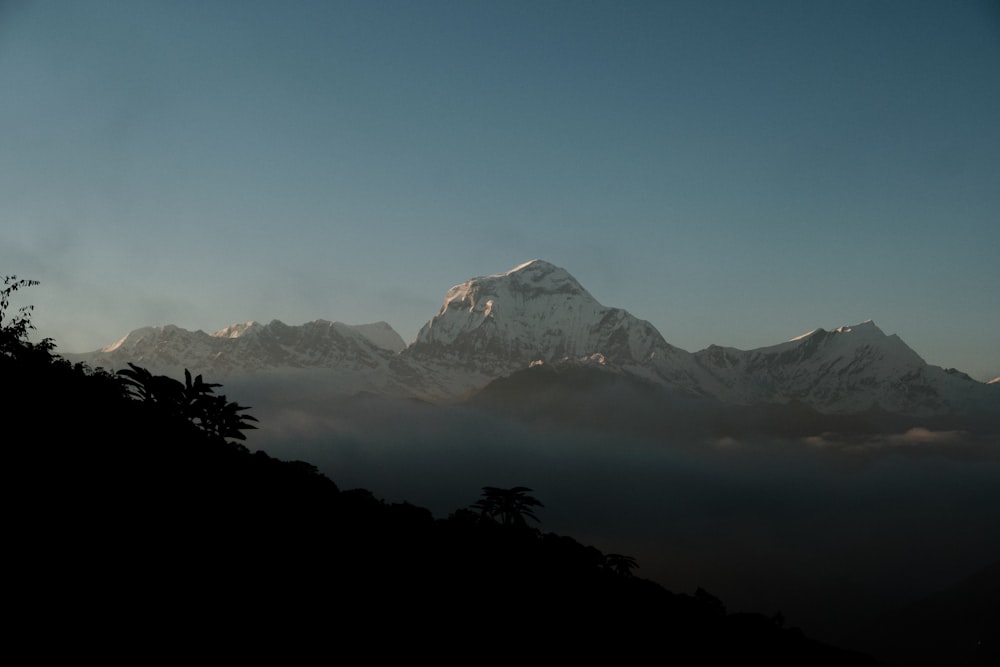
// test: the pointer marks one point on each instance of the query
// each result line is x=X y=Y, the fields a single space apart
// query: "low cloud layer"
x=825 y=528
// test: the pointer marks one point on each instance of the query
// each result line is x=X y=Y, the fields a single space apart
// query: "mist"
x=830 y=530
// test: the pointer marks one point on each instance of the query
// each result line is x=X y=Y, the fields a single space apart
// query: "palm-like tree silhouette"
x=620 y=564
x=194 y=400
x=508 y=507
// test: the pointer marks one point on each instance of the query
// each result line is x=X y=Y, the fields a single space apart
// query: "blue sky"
x=734 y=172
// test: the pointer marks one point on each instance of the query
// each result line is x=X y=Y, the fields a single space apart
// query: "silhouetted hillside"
x=136 y=520
x=959 y=625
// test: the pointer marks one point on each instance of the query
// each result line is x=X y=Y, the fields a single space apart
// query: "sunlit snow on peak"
x=235 y=330
x=866 y=329
x=803 y=336
x=521 y=267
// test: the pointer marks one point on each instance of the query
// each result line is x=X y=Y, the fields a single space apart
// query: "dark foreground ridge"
x=138 y=524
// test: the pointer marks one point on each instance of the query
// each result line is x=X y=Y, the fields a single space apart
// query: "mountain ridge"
x=250 y=346
x=489 y=327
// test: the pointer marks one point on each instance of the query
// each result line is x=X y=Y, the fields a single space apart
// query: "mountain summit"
x=538 y=313
x=535 y=308
x=844 y=370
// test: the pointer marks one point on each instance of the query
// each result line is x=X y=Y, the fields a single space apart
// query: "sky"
x=736 y=173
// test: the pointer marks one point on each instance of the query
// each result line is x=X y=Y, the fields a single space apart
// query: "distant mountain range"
x=537 y=314
x=252 y=347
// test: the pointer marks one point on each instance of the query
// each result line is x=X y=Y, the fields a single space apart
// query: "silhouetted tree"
x=508 y=507
x=193 y=400
x=14 y=331
x=620 y=564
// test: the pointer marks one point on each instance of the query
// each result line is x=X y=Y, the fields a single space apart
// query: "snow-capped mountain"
x=537 y=313
x=250 y=347
x=844 y=370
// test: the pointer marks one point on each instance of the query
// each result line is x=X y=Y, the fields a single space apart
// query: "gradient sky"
x=734 y=172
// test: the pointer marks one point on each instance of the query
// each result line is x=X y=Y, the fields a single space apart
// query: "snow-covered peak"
x=805 y=335
x=526 y=282
x=143 y=336
x=382 y=334
x=891 y=349
x=379 y=333
x=866 y=329
x=236 y=330
x=843 y=341
x=512 y=305
x=251 y=346
x=846 y=369
x=124 y=340
x=538 y=312
x=541 y=272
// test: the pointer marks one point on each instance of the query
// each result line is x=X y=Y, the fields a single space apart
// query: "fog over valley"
x=830 y=530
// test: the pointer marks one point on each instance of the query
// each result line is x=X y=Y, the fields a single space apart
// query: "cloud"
x=923 y=436
x=916 y=441
x=726 y=442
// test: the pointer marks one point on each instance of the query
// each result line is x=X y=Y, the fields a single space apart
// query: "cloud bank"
x=825 y=528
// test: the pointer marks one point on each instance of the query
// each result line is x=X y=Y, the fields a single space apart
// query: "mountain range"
x=833 y=476
x=537 y=315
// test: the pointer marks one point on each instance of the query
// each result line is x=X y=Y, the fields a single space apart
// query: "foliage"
x=193 y=400
x=620 y=564
x=508 y=507
x=14 y=332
